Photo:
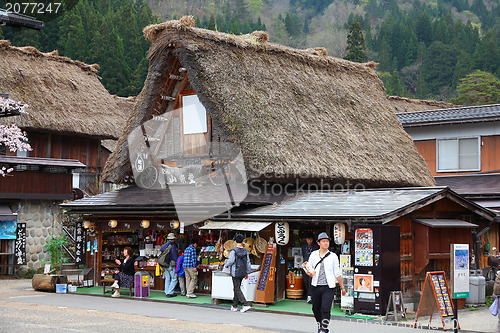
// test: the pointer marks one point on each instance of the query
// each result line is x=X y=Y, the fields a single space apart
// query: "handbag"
x=494 y=307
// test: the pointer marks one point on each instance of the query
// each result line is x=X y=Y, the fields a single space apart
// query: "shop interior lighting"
x=113 y=223
x=174 y=224
x=145 y=224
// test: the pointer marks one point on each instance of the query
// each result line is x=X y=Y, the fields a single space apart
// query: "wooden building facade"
x=68 y=115
x=429 y=219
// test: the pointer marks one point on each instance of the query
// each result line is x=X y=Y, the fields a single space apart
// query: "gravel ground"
x=18 y=316
x=24 y=310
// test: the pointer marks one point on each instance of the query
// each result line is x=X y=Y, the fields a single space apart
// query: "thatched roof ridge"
x=405 y=104
x=54 y=55
x=292 y=112
x=64 y=96
x=317 y=56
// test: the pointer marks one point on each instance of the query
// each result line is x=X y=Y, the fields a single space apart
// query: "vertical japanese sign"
x=80 y=244
x=460 y=270
x=20 y=245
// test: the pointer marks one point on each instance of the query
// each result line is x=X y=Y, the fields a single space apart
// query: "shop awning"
x=236 y=225
x=6 y=213
x=445 y=223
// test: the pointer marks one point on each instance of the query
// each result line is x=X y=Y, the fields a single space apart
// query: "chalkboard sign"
x=435 y=297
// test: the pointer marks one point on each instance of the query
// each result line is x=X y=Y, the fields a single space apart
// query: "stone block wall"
x=43 y=220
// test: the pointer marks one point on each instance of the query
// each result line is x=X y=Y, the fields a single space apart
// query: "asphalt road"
x=25 y=310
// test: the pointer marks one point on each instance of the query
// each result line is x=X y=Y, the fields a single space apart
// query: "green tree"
x=421 y=87
x=487 y=54
x=255 y=6
x=478 y=88
x=355 y=44
x=438 y=66
x=211 y=23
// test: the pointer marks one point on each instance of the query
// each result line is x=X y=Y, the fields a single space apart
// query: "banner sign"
x=80 y=243
x=460 y=270
x=20 y=245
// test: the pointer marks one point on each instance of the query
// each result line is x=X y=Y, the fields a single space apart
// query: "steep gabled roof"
x=293 y=112
x=64 y=96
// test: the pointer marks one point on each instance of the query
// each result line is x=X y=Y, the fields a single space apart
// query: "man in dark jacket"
x=307 y=248
x=239 y=261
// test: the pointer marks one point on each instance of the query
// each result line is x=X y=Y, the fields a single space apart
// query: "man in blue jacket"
x=169 y=274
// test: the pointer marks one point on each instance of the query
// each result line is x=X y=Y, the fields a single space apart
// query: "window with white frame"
x=459 y=154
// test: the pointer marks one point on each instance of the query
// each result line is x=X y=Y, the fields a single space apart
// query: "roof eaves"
x=448 y=122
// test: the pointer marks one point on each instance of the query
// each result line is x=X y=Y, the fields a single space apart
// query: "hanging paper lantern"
x=113 y=223
x=145 y=224
x=339 y=233
x=282 y=233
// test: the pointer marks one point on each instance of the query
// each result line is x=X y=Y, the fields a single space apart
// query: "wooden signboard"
x=20 y=244
x=267 y=278
x=80 y=243
x=435 y=297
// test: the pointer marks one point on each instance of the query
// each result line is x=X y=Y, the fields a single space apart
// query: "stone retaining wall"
x=43 y=220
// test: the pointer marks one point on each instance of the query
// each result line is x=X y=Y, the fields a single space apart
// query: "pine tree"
x=478 y=88
x=355 y=44
x=211 y=23
x=421 y=87
x=487 y=54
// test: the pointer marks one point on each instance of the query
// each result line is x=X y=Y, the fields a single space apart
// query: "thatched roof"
x=292 y=112
x=404 y=104
x=64 y=96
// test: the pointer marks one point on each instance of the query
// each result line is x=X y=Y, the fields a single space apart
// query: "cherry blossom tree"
x=12 y=136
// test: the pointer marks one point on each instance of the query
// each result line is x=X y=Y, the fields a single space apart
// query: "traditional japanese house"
x=298 y=117
x=69 y=113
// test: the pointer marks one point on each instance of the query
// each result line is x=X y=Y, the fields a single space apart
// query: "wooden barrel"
x=294 y=286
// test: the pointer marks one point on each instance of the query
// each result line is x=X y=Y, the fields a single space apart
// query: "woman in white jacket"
x=323 y=266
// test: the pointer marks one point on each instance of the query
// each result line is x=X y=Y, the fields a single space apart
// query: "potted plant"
x=48 y=281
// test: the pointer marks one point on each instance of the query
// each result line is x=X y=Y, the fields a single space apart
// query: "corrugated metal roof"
x=446 y=223
x=356 y=204
x=449 y=116
x=136 y=197
x=236 y=225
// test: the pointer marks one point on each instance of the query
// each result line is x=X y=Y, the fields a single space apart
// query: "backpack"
x=240 y=265
x=165 y=257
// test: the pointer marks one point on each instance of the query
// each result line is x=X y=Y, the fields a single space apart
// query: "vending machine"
x=376 y=267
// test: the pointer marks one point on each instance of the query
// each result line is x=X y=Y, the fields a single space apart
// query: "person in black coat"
x=124 y=276
x=307 y=248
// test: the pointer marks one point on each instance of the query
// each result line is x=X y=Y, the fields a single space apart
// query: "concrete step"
x=70 y=271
